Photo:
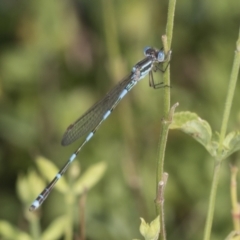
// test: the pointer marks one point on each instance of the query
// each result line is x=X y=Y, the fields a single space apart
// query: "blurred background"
x=57 y=58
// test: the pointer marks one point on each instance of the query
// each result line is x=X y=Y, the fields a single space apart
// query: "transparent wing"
x=89 y=120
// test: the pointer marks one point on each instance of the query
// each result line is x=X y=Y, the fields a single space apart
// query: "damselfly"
x=92 y=119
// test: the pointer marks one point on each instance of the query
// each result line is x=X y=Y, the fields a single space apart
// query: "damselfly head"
x=148 y=51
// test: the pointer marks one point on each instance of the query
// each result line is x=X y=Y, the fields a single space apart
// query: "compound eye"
x=161 y=56
x=146 y=51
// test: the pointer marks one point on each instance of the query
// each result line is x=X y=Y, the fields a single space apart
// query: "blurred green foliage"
x=59 y=57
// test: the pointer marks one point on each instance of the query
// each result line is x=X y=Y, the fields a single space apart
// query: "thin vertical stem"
x=70 y=203
x=166 y=76
x=230 y=94
x=163 y=137
x=160 y=201
x=219 y=158
x=167 y=40
x=235 y=204
x=82 y=206
x=34 y=226
x=212 y=201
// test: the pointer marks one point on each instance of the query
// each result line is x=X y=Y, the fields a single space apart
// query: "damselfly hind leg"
x=152 y=83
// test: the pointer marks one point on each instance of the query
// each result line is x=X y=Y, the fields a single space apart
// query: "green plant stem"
x=235 y=205
x=230 y=94
x=166 y=80
x=160 y=194
x=212 y=200
x=166 y=76
x=70 y=203
x=35 y=227
x=164 y=130
x=219 y=158
x=115 y=68
x=170 y=21
x=82 y=207
x=160 y=201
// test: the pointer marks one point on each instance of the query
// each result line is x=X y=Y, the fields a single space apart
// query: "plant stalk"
x=219 y=158
x=166 y=106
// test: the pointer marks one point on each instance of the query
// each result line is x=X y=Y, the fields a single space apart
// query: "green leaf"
x=90 y=178
x=235 y=238
x=55 y=230
x=234 y=235
x=35 y=182
x=231 y=143
x=23 y=189
x=10 y=232
x=213 y=146
x=150 y=231
x=200 y=130
x=29 y=186
x=49 y=171
x=193 y=125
